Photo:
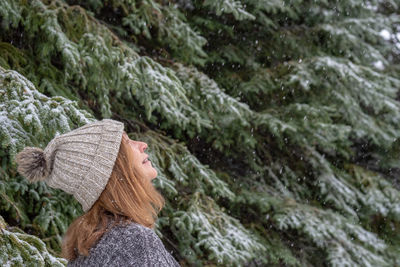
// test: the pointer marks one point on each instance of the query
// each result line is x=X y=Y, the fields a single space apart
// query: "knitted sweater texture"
x=127 y=245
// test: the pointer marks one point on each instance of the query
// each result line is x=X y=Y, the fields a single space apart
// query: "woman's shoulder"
x=133 y=227
x=142 y=246
x=131 y=232
x=130 y=244
x=119 y=239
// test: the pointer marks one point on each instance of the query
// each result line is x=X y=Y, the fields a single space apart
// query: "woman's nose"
x=141 y=145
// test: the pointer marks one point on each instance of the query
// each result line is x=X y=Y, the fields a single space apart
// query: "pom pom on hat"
x=32 y=164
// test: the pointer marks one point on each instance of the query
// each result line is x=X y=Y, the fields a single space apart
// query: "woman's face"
x=140 y=163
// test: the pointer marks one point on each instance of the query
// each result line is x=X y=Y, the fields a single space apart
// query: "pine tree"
x=273 y=125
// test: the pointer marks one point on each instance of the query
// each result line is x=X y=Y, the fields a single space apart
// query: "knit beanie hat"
x=79 y=162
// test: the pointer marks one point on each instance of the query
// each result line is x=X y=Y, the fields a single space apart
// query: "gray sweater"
x=130 y=245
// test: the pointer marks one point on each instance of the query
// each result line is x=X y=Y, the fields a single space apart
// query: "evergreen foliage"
x=273 y=125
x=25 y=112
x=18 y=247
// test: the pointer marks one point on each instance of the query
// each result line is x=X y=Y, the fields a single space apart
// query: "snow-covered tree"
x=274 y=125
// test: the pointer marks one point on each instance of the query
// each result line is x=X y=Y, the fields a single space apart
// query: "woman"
x=110 y=175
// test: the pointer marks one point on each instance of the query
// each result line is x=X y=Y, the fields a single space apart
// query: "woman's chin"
x=154 y=175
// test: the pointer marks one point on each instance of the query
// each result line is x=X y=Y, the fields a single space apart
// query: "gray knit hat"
x=79 y=162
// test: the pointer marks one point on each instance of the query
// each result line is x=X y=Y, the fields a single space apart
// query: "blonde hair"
x=126 y=198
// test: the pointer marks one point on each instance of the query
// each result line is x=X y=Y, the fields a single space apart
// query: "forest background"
x=274 y=125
